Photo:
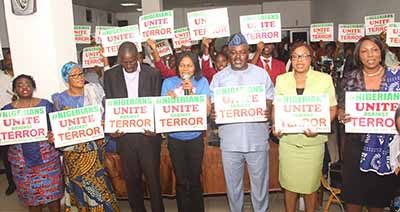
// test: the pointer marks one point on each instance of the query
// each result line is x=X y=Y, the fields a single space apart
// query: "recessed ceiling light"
x=128 y=4
x=139 y=9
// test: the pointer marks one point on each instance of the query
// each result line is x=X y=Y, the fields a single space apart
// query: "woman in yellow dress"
x=301 y=155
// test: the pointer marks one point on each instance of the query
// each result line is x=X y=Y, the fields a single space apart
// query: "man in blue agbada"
x=244 y=142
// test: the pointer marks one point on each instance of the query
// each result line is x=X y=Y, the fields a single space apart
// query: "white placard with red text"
x=372 y=112
x=393 y=35
x=91 y=57
x=321 y=31
x=262 y=27
x=129 y=115
x=296 y=114
x=182 y=38
x=76 y=126
x=23 y=125
x=350 y=33
x=163 y=48
x=183 y=113
x=112 y=38
x=157 y=25
x=375 y=24
x=98 y=32
x=82 y=34
x=240 y=104
x=212 y=23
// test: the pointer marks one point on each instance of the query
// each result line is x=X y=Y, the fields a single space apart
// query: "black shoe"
x=11 y=188
x=2 y=171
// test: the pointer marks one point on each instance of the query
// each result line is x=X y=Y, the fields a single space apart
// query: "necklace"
x=373 y=74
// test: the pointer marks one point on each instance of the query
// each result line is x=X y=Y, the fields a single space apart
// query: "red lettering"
x=199 y=21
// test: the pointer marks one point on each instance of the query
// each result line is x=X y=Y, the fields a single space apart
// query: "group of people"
x=41 y=177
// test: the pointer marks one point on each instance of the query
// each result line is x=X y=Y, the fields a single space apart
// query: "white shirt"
x=132 y=82
x=269 y=61
x=205 y=57
x=5 y=88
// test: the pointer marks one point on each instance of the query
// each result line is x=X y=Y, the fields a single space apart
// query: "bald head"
x=127 y=48
x=128 y=56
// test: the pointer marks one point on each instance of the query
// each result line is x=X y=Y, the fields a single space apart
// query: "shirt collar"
x=138 y=68
x=266 y=58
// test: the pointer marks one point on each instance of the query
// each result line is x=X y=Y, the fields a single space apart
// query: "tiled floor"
x=212 y=203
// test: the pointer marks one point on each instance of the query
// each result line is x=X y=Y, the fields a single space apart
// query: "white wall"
x=3 y=26
x=294 y=14
x=42 y=54
x=345 y=11
x=99 y=17
x=132 y=18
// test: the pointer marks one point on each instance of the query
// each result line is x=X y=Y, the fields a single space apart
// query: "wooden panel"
x=213 y=179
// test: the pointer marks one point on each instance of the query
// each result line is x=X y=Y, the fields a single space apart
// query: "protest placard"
x=157 y=25
x=295 y=114
x=23 y=125
x=92 y=57
x=262 y=27
x=372 y=112
x=182 y=38
x=112 y=38
x=240 y=104
x=350 y=33
x=129 y=115
x=183 y=113
x=321 y=31
x=76 y=126
x=98 y=32
x=212 y=23
x=375 y=24
x=393 y=35
x=82 y=34
x=163 y=48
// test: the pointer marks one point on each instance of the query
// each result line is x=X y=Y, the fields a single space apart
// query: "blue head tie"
x=67 y=68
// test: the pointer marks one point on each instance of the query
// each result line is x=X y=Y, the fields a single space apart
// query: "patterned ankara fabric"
x=36 y=168
x=88 y=187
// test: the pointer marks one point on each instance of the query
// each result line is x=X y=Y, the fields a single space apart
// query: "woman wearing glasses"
x=301 y=155
x=87 y=184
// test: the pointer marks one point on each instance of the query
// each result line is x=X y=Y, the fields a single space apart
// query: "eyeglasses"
x=76 y=76
x=298 y=57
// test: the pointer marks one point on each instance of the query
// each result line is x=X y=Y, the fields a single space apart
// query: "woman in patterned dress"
x=35 y=166
x=87 y=184
x=368 y=179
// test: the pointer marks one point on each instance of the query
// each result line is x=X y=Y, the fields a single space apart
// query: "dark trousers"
x=187 y=158
x=141 y=155
x=7 y=166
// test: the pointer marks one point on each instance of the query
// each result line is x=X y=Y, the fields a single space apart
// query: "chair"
x=334 y=193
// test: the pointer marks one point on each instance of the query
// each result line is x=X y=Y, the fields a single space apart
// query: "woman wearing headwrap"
x=87 y=184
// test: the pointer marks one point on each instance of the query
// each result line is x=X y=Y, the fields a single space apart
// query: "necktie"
x=266 y=66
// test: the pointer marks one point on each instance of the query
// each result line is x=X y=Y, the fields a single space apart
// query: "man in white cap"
x=244 y=142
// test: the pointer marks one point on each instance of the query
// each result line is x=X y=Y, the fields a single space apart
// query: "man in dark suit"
x=263 y=59
x=140 y=153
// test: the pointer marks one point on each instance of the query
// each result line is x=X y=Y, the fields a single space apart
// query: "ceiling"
x=114 y=5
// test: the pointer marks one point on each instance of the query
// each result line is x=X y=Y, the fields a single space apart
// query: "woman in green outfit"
x=301 y=155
